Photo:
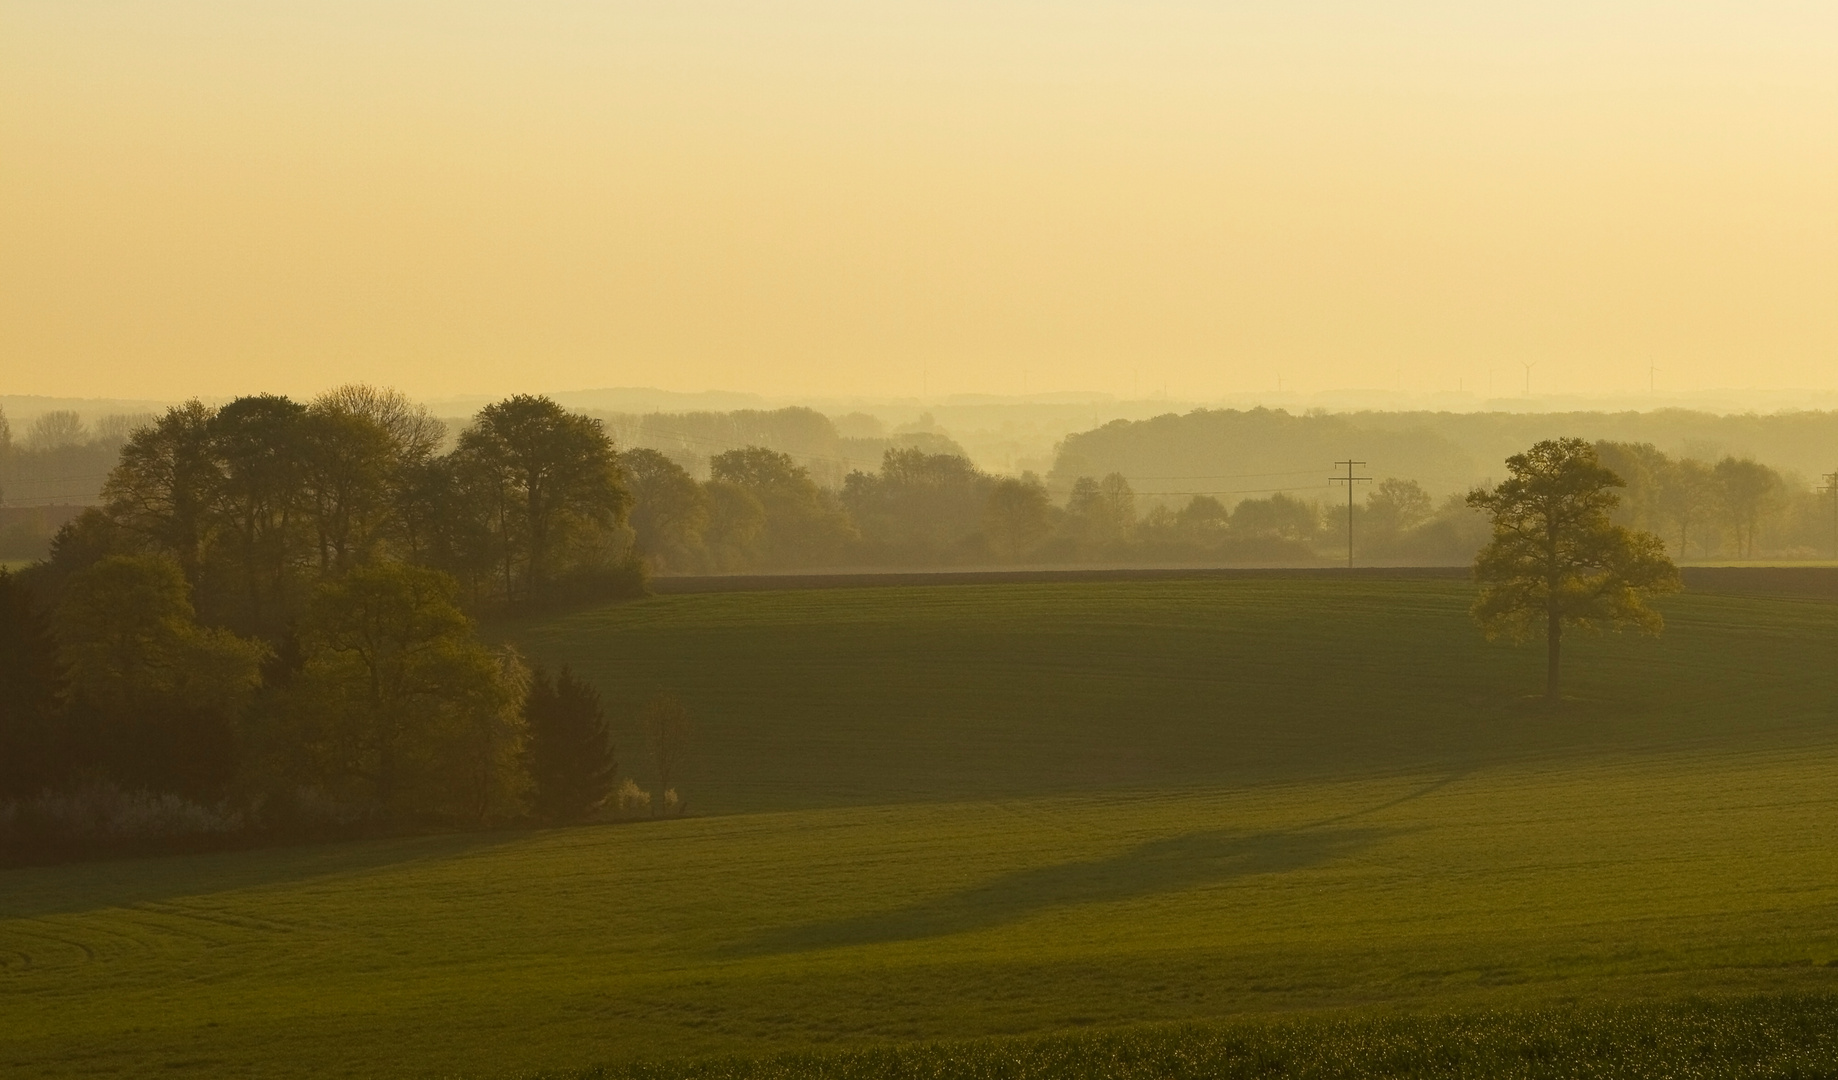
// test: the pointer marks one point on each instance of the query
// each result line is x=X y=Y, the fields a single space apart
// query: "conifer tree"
x=570 y=755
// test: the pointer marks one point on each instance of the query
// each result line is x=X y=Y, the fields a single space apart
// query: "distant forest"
x=763 y=490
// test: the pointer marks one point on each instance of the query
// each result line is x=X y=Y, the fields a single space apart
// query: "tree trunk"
x=1554 y=632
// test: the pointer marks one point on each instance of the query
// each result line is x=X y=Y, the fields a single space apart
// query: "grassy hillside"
x=823 y=697
x=983 y=811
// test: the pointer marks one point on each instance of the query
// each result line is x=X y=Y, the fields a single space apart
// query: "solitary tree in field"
x=1555 y=556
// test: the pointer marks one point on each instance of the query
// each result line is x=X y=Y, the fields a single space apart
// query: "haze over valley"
x=714 y=540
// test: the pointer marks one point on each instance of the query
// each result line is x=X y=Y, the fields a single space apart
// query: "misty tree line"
x=1731 y=507
x=268 y=624
x=760 y=510
x=926 y=504
x=59 y=438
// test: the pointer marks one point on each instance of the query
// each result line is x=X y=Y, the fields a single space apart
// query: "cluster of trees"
x=260 y=498
x=391 y=713
x=384 y=708
x=121 y=711
x=271 y=615
x=1734 y=507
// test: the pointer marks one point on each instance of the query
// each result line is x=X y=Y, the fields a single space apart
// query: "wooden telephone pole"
x=1349 y=480
x=1831 y=485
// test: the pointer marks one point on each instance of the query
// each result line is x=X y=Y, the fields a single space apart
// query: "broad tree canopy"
x=1556 y=558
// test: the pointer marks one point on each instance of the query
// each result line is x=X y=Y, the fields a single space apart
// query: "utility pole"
x=1349 y=480
x=1831 y=485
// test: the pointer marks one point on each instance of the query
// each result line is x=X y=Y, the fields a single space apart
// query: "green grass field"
x=825 y=697
x=1018 y=811
x=1789 y=1037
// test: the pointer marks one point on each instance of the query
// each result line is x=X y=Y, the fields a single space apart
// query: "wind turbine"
x=1528 y=376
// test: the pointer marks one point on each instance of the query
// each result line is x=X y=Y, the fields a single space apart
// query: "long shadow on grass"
x=1162 y=866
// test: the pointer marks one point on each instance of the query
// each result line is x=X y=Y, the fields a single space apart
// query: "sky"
x=908 y=198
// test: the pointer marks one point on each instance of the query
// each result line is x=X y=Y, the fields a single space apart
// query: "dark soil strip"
x=768 y=582
x=1817 y=582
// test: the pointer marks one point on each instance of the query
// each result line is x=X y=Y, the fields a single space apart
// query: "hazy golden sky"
x=843 y=198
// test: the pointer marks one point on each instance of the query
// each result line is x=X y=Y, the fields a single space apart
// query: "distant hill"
x=1232 y=453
